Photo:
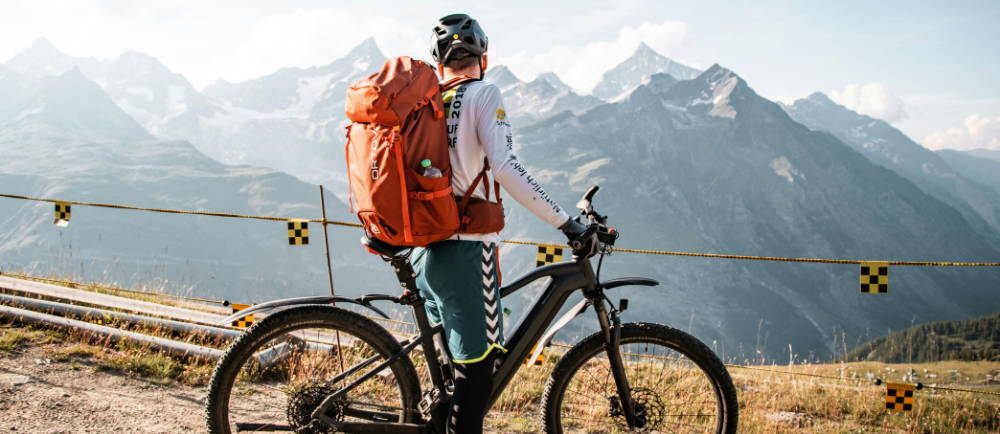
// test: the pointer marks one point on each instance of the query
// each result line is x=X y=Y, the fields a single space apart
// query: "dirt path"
x=41 y=396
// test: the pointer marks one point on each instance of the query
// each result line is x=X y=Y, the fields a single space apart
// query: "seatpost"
x=407 y=279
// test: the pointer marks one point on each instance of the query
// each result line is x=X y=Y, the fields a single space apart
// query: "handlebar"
x=606 y=236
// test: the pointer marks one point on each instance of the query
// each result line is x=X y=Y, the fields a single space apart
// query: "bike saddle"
x=380 y=247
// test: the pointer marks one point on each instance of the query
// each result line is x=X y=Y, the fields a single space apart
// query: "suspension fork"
x=611 y=328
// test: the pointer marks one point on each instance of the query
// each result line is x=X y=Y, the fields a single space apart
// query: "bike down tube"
x=566 y=278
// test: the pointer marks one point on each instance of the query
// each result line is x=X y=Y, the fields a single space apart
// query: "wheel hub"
x=647 y=406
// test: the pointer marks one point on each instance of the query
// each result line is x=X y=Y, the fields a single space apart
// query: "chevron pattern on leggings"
x=491 y=298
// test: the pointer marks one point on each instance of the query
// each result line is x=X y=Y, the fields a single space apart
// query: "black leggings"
x=473 y=382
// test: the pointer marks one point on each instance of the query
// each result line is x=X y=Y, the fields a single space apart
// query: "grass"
x=769 y=402
x=13 y=339
x=123 y=358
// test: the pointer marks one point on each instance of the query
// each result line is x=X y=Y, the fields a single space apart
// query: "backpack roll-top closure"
x=389 y=95
x=368 y=104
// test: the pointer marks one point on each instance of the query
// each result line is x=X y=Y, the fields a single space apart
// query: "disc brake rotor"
x=648 y=409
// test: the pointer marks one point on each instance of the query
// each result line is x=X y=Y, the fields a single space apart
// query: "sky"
x=928 y=67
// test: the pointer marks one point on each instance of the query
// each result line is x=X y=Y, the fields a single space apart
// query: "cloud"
x=240 y=40
x=582 y=66
x=976 y=132
x=872 y=99
x=317 y=37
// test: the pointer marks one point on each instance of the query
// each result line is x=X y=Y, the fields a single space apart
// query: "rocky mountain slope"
x=890 y=148
x=976 y=166
x=544 y=96
x=707 y=165
x=162 y=101
x=72 y=142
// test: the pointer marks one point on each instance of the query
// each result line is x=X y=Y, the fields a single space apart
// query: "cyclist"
x=460 y=277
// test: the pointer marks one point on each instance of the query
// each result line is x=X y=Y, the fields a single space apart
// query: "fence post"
x=326 y=240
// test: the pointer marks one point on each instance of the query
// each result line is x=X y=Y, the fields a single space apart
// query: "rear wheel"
x=274 y=375
x=677 y=384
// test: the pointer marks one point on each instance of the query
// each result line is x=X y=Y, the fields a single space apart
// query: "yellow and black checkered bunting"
x=298 y=232
x=548 y=255
x=899 y=396
x=874 y=277
x=62 y=212
x=540 y=361
x=244 y=322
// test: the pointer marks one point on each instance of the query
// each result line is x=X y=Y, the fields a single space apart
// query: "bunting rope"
x=772 y=258
x=520 y=242
x=178 y=211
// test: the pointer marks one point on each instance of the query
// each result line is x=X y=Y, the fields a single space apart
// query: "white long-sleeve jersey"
x=478 y=127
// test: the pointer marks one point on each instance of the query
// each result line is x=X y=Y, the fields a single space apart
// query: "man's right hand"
x=575 y=232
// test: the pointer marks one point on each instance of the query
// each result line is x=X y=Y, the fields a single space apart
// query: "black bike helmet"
x=454 y=34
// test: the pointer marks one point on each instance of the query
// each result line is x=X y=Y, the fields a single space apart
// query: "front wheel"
x=677 y=385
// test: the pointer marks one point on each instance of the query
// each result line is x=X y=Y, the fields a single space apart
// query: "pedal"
x=428 y=402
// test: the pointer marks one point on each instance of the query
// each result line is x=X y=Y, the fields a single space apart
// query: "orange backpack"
x=398 y=121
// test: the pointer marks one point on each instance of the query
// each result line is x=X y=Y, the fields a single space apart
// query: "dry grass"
x=81 y=348
x=769 y=402
x=773 y=402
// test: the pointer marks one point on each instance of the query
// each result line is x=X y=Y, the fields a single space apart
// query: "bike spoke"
x=670 y=392
x=289 y=375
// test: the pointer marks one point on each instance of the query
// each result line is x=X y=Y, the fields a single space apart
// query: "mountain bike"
x=310 y=367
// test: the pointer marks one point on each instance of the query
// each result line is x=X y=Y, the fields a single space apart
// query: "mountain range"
x=69 y=140
x=687 y=160
x=644 y=62
x=544 y=96
x=707 y=165
x=890 y=148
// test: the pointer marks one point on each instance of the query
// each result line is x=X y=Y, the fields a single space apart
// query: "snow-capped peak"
x=42 y=47
x=366 y=49
x=42 y=58
x=643 y=63
x=721 y=84
x=502 y=76
x=553 y=80
x=818 y=98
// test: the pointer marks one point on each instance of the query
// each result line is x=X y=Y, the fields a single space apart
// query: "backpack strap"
x=475 y=183
x=456 y=81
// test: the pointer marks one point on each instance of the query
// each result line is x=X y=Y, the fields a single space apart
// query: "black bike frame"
x=567 y=278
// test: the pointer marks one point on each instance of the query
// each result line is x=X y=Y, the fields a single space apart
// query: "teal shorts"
x=461 y=282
